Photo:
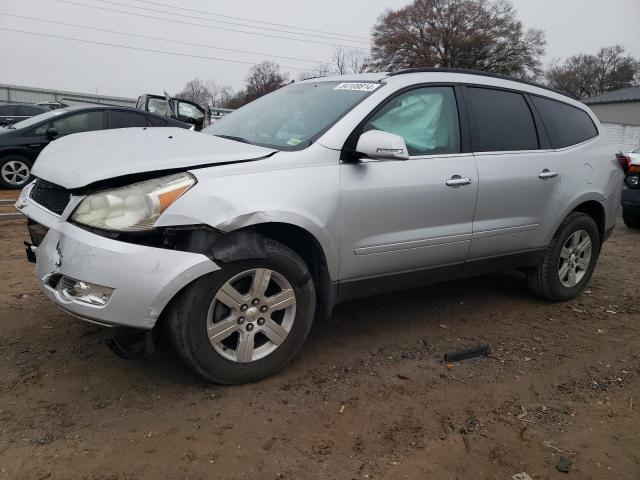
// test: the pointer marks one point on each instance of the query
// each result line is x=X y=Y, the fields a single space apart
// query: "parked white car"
x=330 y=189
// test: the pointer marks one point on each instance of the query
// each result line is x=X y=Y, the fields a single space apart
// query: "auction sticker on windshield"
x=358 y=87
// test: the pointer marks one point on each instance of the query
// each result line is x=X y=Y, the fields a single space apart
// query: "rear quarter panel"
x=590 y=172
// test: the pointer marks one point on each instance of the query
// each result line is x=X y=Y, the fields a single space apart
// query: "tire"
x=631 y=218
x=203 y=307
x=544 y=280
x=15 y=171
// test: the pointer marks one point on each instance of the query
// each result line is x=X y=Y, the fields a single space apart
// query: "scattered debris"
x=269 y=443
x=341 y=409
x=445 y=327
x=481 y=351
x=552 y=445
x=521 y=476
x=403 y=377
x=466 y=443
x=564 y=465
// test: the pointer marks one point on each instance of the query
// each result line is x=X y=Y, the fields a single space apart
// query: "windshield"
x=637 y=150
x=292 y=117
x=39 y=118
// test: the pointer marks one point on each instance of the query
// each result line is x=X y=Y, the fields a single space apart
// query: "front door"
x=401 y=216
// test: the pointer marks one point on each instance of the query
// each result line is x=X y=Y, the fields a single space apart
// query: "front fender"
x=307 y=198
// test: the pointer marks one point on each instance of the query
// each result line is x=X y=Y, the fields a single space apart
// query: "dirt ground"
x=367 y=398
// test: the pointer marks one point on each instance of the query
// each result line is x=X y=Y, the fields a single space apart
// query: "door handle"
x=458 y=181
x=546 y=174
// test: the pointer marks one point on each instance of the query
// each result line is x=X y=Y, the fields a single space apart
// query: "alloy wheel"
x=575 y=258
x=251 y=315
x=15 y=173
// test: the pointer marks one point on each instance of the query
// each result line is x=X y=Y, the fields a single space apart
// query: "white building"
x=619 y=112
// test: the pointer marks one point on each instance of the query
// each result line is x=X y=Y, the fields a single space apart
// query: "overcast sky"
x=572 y=26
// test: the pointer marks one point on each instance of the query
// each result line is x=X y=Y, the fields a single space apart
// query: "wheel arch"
x=590 y=204
x=23 y=152
x=307 y=247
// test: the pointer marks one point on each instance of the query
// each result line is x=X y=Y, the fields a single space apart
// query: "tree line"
x=481 y=35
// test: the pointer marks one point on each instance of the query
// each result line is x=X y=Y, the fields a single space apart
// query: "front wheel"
x=569 y=261
x=246 y=321
x=15 y=171
x=631 y=217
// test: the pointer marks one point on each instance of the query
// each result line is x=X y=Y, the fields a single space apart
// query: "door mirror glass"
x=51 y=133
x=377 y=144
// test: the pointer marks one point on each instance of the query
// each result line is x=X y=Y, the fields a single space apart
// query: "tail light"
x=625 y=161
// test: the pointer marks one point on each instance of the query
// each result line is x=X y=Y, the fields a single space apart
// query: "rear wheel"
x=246 y=321
x=569 y=261
x=15 y=171
x=631 y=217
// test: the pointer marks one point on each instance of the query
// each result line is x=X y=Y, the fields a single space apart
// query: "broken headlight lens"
x=134 y=208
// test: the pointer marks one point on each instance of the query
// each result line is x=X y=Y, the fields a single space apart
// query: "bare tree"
x=206 y=92
x=357 y=61
x=588 y=75
x=321 y=70
x=340 y=60
x=196 y=91
x=475 y=34
x=263 y=78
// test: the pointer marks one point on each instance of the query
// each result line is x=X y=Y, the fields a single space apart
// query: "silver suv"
x=233 y=240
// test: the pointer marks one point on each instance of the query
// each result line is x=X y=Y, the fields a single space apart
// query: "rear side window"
x=500 y=121
x=121 y=119
x=566 y=125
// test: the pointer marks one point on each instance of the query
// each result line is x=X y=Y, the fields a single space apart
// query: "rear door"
x=520 y=183
x=401 y=216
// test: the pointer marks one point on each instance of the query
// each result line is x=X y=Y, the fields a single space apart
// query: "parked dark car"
x=14 y=113
x=21 y=142
x=183 y=110
x=51 y=105
x=631 y=193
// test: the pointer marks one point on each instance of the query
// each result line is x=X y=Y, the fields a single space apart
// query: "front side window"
x=80 y=122
x=500 y=121
x=292 y=117
x=427 y=119
x=566 y=125
x=190 y=111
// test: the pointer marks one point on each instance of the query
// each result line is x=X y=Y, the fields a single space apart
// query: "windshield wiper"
x=234 y=138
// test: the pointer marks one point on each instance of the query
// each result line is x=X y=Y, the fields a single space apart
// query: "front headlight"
x=133 y=208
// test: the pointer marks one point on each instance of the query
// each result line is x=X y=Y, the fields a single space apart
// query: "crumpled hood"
x=84 y=158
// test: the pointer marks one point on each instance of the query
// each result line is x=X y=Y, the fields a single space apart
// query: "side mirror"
x=377 y=144
x=51 y=133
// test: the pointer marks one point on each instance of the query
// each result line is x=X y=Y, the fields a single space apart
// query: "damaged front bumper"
x=125 y=284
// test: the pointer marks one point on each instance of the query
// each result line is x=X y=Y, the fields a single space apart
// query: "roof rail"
x=477 y=72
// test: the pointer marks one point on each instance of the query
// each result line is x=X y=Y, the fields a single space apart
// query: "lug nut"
x=244 y=308
x=249 y=327
x=255 y=301
x=240 y=320
x=261 y=321
x=264 y=308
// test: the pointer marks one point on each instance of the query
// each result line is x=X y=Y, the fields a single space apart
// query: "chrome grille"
x=51 y=196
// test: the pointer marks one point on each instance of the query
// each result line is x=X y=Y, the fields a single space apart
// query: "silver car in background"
x=235 y=239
